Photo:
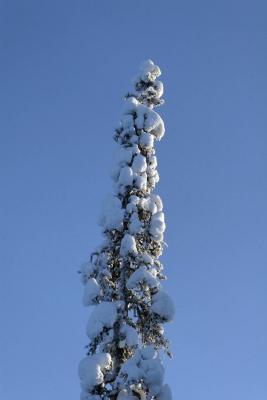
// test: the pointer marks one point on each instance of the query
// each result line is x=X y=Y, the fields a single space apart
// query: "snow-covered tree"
x=123 y=279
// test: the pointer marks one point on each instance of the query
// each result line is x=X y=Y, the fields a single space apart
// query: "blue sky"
x=65 y=66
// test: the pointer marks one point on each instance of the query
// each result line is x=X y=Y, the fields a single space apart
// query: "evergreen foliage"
x=123 y=278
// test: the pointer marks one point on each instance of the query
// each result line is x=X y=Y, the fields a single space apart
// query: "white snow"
x=163 y=306
x=126 y=176
x=146 y=140
x=112 y=215
x=145 y=365
x=92 y=368
x=158 y=86
x=149 y=71
x=157 y=225
x=135 y=149
x=146 y=119
x=159 y=130
x=158 y=201
x=147 y=259
x=139 y=163
x=153 y=174
x=91 y=292
x=131 y=369
x=135 y=224
x=127 y=121
x=152 y=161
x=130 y=104
x=150 y=171
x=130 y=225
x=130 y=335
x=142 y=275
x=148 y=204
x=134 y=199
x=148 y=352
x=154 y=124
x=139 y=120
x=131 y=208
x=152 y=177
x=103 y=315
x=132 y=205
x=128 y=245
x=152 y=182
x=140 y=181
x=134 y=139
x=153 y=374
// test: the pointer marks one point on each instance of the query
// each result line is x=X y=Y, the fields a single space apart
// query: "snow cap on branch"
x=149 y=71
x=92 y=369
x=123 y=278
x=163 y=306
x=91 y=292
x=103 y=316
x=112 y=214
x=128 y=245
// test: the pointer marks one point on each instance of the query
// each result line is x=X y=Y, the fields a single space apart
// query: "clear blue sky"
x=65 y=66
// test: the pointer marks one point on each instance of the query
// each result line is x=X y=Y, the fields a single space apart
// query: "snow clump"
x=103 y=316
x=163 y=306
x=128 y=245
x=92 y=369
x=139 y=164
x=146 y=119
x=91 y=292
x=113 y=214
x=157 y=226
x=142 y=275
x=149 y=71
x=126 y=176
x=135 y=224
x=146 y=140
x=130 y=335
x=145 y=365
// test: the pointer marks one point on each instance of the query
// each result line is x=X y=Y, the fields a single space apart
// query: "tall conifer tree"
x=122 y=280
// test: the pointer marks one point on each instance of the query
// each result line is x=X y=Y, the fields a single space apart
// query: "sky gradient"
x=65 y=66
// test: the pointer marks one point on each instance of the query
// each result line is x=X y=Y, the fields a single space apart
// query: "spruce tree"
x=122 y=280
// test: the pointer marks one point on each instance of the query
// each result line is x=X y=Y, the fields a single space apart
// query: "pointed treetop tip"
x=149 y=69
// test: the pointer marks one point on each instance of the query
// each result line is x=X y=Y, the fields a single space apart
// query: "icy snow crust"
x=123 y=278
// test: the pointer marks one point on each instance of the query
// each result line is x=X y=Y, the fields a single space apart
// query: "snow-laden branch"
x=123 y=278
